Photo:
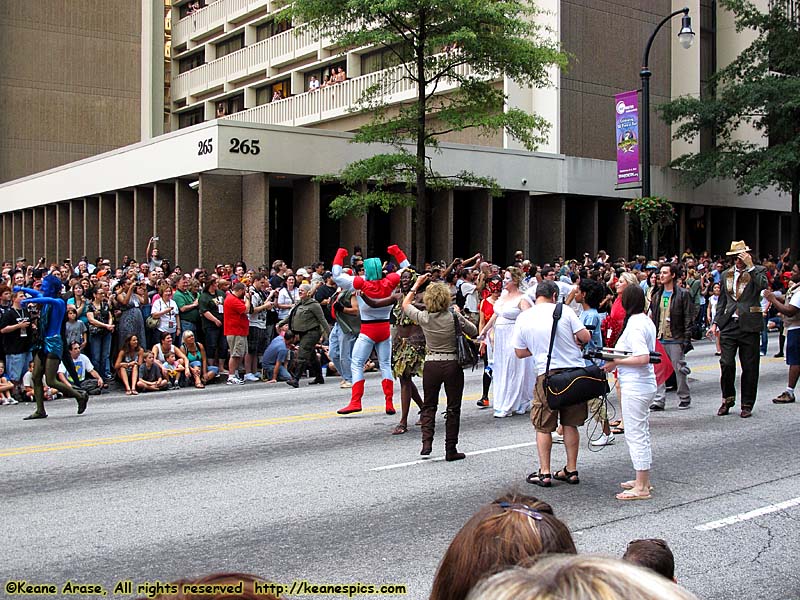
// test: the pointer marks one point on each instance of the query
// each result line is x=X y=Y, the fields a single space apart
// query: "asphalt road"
x=269 y=480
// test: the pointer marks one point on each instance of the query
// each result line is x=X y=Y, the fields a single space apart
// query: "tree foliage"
x=483 y=38
x=760 y=88
x=651 y=212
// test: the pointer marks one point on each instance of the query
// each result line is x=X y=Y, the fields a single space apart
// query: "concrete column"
x=441 y=217
x=401 y=228
x=353 y=232
x=681 y=228
x=306 y=222
x=77 y=246
x=618 y=235
x=27 y=236
x=582 y=220
x=152 y=73
x=107 y=225
x=723 y=224
x=422 y=224
x=39 y=235
x=480 y=222
x=164 y=219
x=518 y=219
x=91 y=227
x=50 y=234
x=7 y=237
x=62 y=232
x=17 y=235
x=220 y=220
x=256 y=222
x=186 y=219
x=124 y=218
x=549 y=217
x=747 y=228
x=142 y=220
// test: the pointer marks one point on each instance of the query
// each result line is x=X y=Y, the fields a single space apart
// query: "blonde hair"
x=516 y=274
x=437 y=297
x=629 y=278
x=579 y=577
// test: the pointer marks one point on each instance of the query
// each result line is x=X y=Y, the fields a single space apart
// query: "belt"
x=440 y=356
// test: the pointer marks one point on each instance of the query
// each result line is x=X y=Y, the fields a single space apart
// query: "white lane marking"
x=440 y=458
x=748 y=515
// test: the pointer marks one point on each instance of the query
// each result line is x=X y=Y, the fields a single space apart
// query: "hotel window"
x=228 y=106
x=192 y=117
x=379 y=60
x=187 y=63
x=230 y=45
x=274 y=27
x=266 y=93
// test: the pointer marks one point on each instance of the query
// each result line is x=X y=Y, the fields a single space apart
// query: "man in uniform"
x=740 y=321
x=307 y=321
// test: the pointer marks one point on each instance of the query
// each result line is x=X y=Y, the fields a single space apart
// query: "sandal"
x=400 y=429
x=618 y=430
x=199 y=386
x=127 y=392
x=631 y=495
x=629 y=485
x=540 y=479
x=570 y=477
x=616 y=423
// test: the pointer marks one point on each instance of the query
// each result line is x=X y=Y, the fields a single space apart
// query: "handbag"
x=152 y=322
x=466 y=350
x=572 y=386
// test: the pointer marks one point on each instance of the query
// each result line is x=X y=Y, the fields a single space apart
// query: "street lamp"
x=686 y=37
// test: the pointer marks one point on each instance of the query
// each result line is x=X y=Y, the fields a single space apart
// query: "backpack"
x=461 y=299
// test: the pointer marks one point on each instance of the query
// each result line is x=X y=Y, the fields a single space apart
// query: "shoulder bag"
x=572 y=386
x=466 y=350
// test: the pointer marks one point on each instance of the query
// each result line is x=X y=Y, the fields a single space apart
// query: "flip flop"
x=618 y=430
x=615 y=423
x=631 y=495
x=629 y=485
x=400 y=430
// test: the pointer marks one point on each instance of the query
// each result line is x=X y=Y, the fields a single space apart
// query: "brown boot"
x=452 y=425
x=725 y=408
x=427 y=422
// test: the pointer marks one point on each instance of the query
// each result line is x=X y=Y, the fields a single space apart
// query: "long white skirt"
x=513 y=379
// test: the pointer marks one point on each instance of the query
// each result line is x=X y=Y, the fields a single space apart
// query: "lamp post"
x=686 y=37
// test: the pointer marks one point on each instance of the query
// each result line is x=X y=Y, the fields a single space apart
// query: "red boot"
x=355 y=399
x=388 y=391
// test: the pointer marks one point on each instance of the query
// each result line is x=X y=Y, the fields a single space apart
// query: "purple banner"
x=626 y=109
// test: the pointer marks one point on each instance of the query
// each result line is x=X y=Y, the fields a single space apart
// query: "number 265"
x=244 y=146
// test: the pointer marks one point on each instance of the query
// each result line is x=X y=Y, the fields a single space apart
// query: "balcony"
x=213 y=16
x=334 y=102
x=250 y=60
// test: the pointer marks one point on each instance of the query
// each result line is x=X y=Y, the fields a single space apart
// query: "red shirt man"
x=235 y=309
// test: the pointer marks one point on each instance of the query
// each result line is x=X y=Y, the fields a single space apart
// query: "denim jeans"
x=283 y=373
x=361 y=351
x=341 y=351
x=100 y=350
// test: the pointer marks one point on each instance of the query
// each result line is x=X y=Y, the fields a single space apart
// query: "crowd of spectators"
x=117 y=313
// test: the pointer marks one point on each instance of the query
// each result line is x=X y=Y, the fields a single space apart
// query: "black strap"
x=556 y=316
x=457 y=326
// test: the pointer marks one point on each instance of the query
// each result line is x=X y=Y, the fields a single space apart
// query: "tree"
x=760 y=88
x=433 y=45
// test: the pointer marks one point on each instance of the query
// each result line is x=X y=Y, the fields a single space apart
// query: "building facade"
x=239 y=72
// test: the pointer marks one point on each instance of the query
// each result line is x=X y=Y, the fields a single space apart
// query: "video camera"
x=614 y=354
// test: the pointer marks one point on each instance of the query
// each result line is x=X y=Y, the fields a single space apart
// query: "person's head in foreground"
x=652 y=554
x=502 y=534
x=219 y=586
x=579 y=577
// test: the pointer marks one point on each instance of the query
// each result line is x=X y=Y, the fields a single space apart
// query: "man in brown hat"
x=739 y=321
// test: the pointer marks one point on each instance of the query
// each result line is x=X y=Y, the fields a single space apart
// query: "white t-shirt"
x=166 y=322
x=794 y=301
x=532 y=332
x=286 y=297
x=470 y=297
x=83 y=367
x=638 y=337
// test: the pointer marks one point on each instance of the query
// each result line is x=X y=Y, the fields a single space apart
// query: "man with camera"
x=532 y=333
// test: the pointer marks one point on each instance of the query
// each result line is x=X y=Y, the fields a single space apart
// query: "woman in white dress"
x=512 y=378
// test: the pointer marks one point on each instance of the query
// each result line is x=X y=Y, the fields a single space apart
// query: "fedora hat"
x=738 y=248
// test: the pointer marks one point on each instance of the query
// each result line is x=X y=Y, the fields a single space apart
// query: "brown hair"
x=504 y=533
x=652 y=554
x=437 y=297
x=248 y=588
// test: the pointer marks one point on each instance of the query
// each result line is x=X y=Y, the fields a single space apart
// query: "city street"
x=269 y=480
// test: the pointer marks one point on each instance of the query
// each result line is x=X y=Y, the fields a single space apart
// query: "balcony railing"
x=333 y=102
x=212 y=16
x=282 y=48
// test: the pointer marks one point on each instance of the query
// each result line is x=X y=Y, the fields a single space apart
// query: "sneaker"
x=784 y=398
x=293 y=383
x=656 y=407
x=684 y=404
x=345 y=385
x=4 y=402
x=557 y=438
x=483 y=403
x=603 y=440
x=251 y=377
x=499 y=414
x=12 y=401
x=233 y=380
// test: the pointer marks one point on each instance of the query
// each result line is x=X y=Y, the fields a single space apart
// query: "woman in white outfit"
x=638 y=383
x=513 y=378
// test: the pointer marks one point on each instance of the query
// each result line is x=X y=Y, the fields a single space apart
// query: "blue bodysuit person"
x=49 y=347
